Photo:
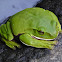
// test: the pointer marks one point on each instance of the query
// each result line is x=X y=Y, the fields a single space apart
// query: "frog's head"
x=47 y=27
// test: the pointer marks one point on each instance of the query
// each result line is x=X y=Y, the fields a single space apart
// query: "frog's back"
x=30 y=18
x=23 y=20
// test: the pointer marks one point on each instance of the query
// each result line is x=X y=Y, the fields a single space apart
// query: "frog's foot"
x=28 y=40
x=11 y=44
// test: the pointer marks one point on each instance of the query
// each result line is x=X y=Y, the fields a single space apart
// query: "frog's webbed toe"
x=11 y=44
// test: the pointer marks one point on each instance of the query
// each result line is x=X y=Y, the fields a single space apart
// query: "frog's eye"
x=41 y=32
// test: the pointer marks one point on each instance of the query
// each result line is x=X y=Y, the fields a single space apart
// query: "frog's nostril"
x=56 y=24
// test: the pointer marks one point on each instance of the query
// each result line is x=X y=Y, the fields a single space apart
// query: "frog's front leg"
x=28 y=40
x=11 y=44
x=7 y=36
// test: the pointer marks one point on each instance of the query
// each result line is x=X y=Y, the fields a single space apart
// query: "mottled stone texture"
x=30 y=54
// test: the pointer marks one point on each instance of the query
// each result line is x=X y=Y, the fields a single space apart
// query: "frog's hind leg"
x=28 y=40
x=7 y=36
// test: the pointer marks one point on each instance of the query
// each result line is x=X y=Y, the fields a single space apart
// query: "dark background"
x=25 y=53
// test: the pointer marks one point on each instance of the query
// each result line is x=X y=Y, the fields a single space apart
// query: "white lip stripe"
x=42 y=38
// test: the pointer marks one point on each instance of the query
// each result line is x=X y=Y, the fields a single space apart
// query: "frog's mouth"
x=38 y=38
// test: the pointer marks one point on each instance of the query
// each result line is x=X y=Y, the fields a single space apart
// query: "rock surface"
x=30 y=54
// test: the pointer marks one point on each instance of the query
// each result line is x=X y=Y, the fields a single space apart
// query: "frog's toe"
x=11 y=44
x=53 y=42
x=48 y=44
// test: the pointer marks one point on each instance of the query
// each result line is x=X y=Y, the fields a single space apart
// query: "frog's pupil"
x=41 y=32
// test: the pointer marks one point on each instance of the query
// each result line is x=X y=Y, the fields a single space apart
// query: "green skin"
x=31 y=23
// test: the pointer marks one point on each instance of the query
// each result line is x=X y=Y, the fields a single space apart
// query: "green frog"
x=35 y=26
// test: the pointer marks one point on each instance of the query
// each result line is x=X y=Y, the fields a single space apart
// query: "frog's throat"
x=38 y=38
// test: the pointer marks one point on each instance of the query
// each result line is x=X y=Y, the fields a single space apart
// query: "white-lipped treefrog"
x=37 y=27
